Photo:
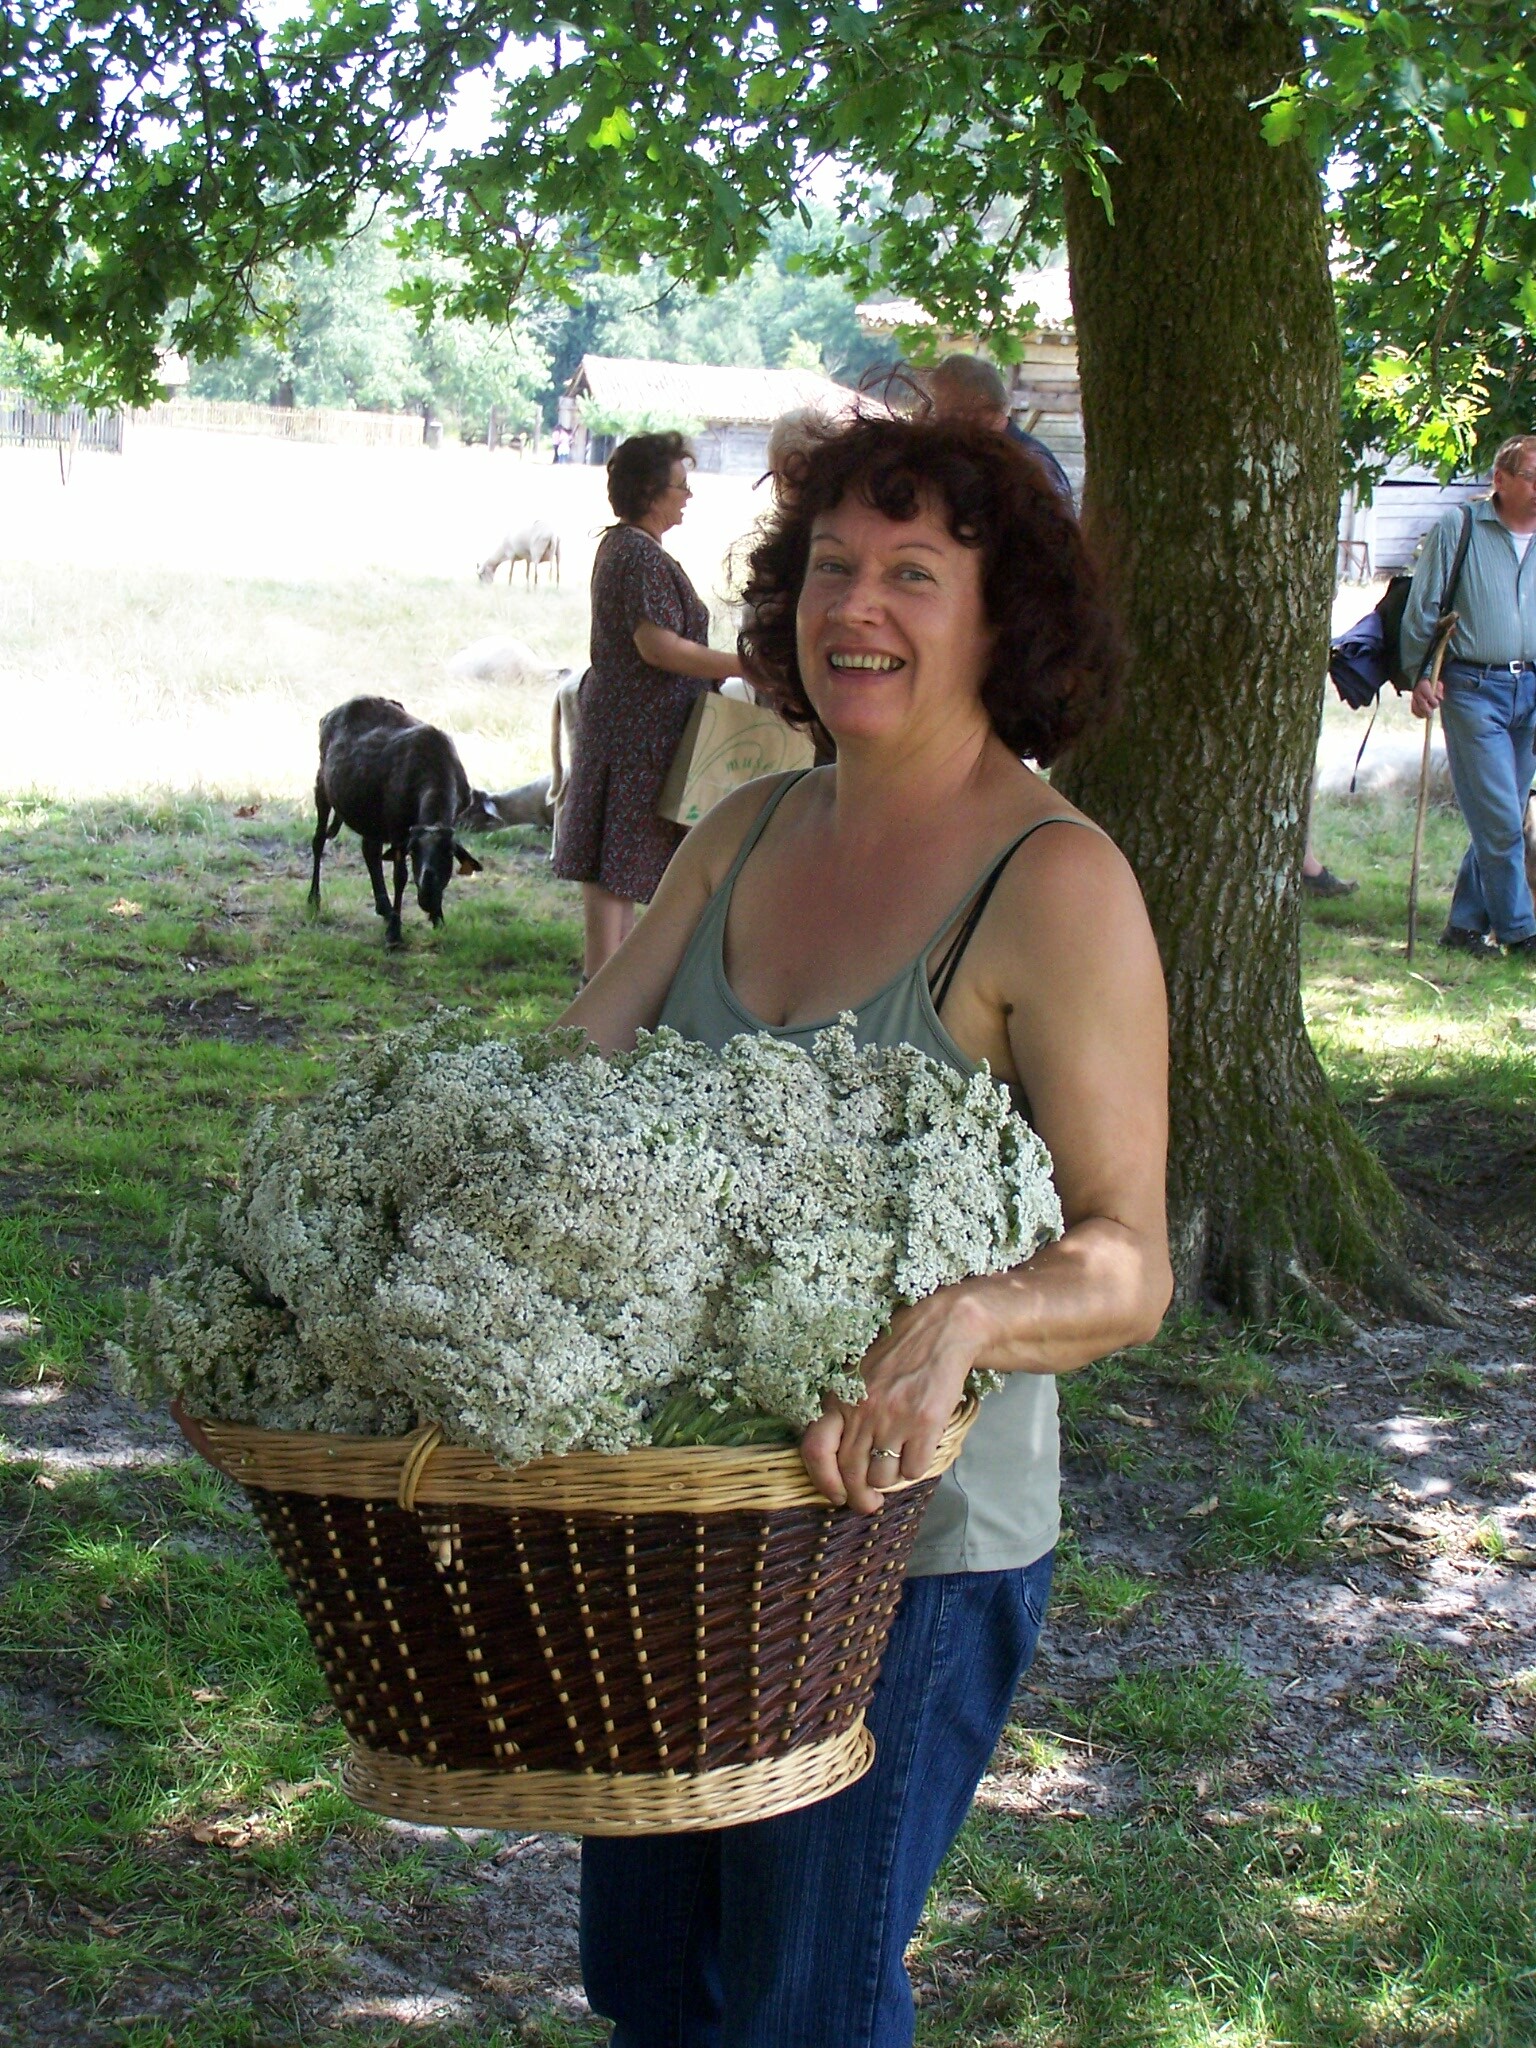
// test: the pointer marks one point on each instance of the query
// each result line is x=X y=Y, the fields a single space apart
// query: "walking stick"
x=1442 y=641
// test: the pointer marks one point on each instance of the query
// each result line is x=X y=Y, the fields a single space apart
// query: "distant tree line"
x=342 y=329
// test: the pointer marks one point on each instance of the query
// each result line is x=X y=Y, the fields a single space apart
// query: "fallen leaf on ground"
x=1119 y=1414
x=247 y=810
x=1203 y=1508
x=233 y=1832
x=102 y=1925
x=123 y=907
x=287 y=1789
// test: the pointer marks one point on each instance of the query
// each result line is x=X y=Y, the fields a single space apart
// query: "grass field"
x=1271 y=1783
x=177 y=619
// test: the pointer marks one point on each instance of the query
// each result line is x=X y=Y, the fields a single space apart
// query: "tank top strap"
x=942 y=978
x=759 y=827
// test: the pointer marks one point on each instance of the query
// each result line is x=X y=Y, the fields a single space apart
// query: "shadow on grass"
x=1320 y=1926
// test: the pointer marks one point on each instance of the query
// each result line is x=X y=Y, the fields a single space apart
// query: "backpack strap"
x=1448 y=594
x=1459 y=562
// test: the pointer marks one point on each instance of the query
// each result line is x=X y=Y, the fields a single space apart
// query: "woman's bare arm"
x=1069 y=956
x=627 y=995
x=664 y=649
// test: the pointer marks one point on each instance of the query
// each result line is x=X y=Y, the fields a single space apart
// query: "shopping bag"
x=725 y=743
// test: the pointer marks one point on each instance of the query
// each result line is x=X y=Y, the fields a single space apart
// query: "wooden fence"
x=25 y=425
x=288 y=423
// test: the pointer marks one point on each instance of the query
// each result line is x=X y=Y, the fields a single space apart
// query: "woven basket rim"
x=593 y=1803
x=421 y=1471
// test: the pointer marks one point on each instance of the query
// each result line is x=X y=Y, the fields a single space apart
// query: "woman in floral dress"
x=650 y=659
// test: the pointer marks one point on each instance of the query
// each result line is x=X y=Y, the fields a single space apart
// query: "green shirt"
x=1495 y=600
x=998 y=1507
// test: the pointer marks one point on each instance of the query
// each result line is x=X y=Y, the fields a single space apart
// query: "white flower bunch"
x=542 y=1249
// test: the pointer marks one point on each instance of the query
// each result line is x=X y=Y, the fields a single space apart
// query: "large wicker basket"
x=606 y=1645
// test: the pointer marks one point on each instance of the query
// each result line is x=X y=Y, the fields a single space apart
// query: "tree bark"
x=1210 y=381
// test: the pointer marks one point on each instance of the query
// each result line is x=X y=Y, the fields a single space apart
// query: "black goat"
x=401 y=787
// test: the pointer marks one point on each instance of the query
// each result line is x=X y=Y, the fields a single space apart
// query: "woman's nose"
x=857 y=598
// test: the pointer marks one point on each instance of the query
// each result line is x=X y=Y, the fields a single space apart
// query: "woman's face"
x=891 y=626
x=666 y=508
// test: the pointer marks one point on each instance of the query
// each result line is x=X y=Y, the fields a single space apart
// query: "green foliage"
x=623 y=420
x=1370 y=1923
x=780 y=311
x=1429 y=112
x=58 y=1318
x=688 y=1419
x=156 y=162
x=353 y=325
x=1275 y=1515
x=1104 y=1592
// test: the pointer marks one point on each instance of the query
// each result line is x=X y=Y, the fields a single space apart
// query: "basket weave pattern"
x=541 y=1641
x=504 y=1650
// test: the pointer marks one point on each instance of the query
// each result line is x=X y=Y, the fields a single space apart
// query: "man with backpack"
x=1486 y=694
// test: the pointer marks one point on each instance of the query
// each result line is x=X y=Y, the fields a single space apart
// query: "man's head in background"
x=969 y=388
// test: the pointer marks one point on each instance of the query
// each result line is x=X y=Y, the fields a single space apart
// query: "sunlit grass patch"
x=1164 y=1717
x=1205 y=1358
x=1321 y=1925
x=1275 y=1513
x=55 y=1316
x=1102 y=1591
x=1439 y=1701
x=1033 y=1749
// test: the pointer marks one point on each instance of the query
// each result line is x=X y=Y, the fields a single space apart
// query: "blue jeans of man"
x=790 y=1933
x=1490 y=733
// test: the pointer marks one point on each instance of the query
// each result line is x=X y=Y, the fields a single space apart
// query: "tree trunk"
x=1210 y=382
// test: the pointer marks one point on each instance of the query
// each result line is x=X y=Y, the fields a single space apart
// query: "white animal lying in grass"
x=499 y=658
x=538 y=802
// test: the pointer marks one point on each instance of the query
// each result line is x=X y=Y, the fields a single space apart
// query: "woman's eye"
x=912 y=574
x=830 y=567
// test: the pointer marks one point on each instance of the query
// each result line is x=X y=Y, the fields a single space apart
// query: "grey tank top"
x=999 y=1505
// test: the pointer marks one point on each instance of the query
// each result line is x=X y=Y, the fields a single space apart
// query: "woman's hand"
x=915 y=1374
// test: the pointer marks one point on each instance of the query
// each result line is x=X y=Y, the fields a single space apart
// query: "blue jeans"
x=1490 y=731
x=789 y=1933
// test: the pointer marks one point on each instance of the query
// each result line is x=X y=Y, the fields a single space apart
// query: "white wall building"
x=727 y=411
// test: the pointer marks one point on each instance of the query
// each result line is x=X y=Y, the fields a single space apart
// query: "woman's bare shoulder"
x=1069 y=891
x=713 y=844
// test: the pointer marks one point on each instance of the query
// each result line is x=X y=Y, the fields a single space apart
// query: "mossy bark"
x=1210 y=380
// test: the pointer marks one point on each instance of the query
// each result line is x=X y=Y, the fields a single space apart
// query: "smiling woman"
x=920 y=595
x=1051 y=665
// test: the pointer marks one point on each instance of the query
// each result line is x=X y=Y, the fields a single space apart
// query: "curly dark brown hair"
x=1056 y=659
x=640 y=469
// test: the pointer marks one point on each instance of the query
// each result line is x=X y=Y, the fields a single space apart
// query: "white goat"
x=535 y=545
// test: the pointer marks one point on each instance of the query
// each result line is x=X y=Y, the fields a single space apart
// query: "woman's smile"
x=881 y=664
